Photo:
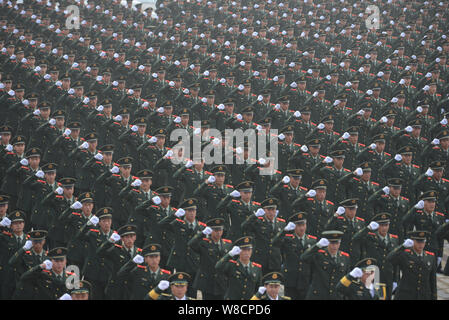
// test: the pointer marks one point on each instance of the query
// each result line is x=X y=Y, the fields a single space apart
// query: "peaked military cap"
x=429 y=195
x=349 y=203
x=33 y=152
x=216 y=223
x=17 y=216
x=179 y=278
x=57 y=253
x=273 y=278
x=190 y=203
x=127 y=230
x=244 y=242
x=245 y=186
x=332 y=235
x=151 y=249
x=86 y=197
x=37 y=234
x=105 y=212
x=164 y=191
x=382 y=218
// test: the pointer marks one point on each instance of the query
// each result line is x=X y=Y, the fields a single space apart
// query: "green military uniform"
x=373 y=244
x=270 y=278
x=140 y=277
x=297 y=273
x=176 y=279
x=349 y=227
x=211 y=283
x=263 y=229
x=418 y=281
x=327 y=270
x=243 y=279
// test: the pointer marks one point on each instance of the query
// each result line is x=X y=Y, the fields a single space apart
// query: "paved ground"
x=443 y=281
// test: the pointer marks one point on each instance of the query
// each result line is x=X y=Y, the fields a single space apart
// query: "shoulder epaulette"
x=257 y=203
x=394 y=236
x=257 y=265
x=356 y=179
x=388 y=154
x=76 y=213
x=408 y=250
x=445 y=180
x=361 y=219
x=118 y=246
x=312 y=237
x=206 y=239
x=182 y=221
x=415 y=166
x=166 y=271
x=344 y=253
x=142 y=267
x=372 y=233
x=233 y=200
x=139 y=250
x=322 y=251
x=404 y=198
x=280 y=219
x=289 y=235
x=330 y=202
x=431 y=253
x=339 y=217
x=207 y=172
x=439 y=213
x=303 y=188
x=233 y=261
x=226 y=240
x=202 y=224
x=7 y=233
x=260 y=218
x=94 y=230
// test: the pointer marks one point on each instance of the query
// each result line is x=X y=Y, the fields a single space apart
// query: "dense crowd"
x=357 y=186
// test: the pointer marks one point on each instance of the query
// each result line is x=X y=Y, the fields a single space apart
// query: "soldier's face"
x=380 y=146
x=105 y=224
x=190 y=214
x=219 y=179
x=60 y=122
x=87 y=208
x=301 y=228
x=19 y=148
x=407 y=158
x=383 y=229
x=444 y=143
x=248 y=117
x=338 y=162
x=153 y=260
x=246 y=196
x=273 y=289
x=437 y=174
x=93 y=145
x=165 y=200
x=333 y=247
x=34 y=161
x=50 y=177
x=59 y=264
x=328 y=126
x=350 y=212
x=129 y=240
x=216 y=234
x=45 y=113
x=419 y=245
x=17 y=226
x=3 y=209
x=179 y=291
x=38 y=245
x=245 y=254
x=68 y=192
x=75 y=133
x=270 y=212
x=395 y=191
x=5 y=137
x=353 y=138
x=429 y=205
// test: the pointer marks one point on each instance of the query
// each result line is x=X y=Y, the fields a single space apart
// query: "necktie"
x=153 y=275
x=385 y=241
x=247 y=269
x=19 y=242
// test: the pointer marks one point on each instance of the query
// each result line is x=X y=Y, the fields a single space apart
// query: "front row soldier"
x=178 y=284
x=210 y=246
x=244 y=276
x=271 y=286
x=358 y=284
x=294 y=241
x=375 y=241
x=81 y=291
x=418 y=267
x=329 y=265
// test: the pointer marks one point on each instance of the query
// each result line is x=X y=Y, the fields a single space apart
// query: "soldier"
x=433 y=180
x=143 y=272
x=349 y=143
x=360 y=187
x=182 y=257
x=375 y=241
x=46 y=281
x=358 y=284
x=82 y=291
x=293 y=241
x=325 y=132
x=244 y=276
x=346 y=220
x=263 y=225
x=271 y=285
x=306 y=158
x=210 y=246
x=329 y=265
x=178 y=283
x=418 y=267
x=264 y=176
x=424 y=217
x=286 y=147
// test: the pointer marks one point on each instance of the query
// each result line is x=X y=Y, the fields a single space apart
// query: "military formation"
x=354 y=204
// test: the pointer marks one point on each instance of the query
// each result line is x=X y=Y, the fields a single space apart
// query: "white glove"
x=134 y=128
x=281 y=136
x=311 y=193
x=77 y=205
x=6 y=222
x=277 y=106
x=436 y=141
x=239 y=116
x=59 y=190
x=207 y=231
x=340 y=210
x=260 y=212
x=429 y=172
x=160 y=109
x=52 y=122
x=115 y=237
x=304 y=148
x=93 y=221
x=420 y=204
x=152 y=139
x=216 y=141
x=163 y=285
x=323 y=243
x=24 y=162
x=180 y=213
x=398 y=157
x=211 y=179
x=36 y=112
x=262 y=161
x=67 y=132
x=98 y=156
x=189 y=164
x=438 y=261
x=383 y=119
x=138 y=259
x=168 y=154
x=28 y=245
x=9 y=148
x=235 y=251
x=48 y=264
x=372 y=146
x=239 y=150
x=408 y=243
x=320 y=126
x=99 y=108
x=65 y=296
x=197 y=131
x=297 y=114
x=115 y=170
x=419 y=109
x=85 y=145
x=290 y=226
x=286 y=179
x=235 y=194
x=40 y=174
x=444 y=121
x=177 y=120
x=328 y=160
x=136 y=183
x=345 y=135
x=408 y=129
x=118 y=118
x=395 y=285
x=356 y=273
x=262 y=290
x=156 y=200
x=386 y=190
x=358 y=171
x=373 y=226
x=221 y=106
